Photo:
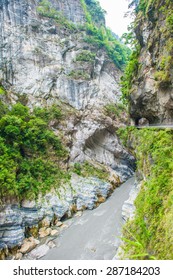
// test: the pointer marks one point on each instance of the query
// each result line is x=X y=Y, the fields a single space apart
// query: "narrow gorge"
x=68 y=142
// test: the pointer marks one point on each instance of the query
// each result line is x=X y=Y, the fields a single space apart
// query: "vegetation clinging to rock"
x=155 y=12
x=96 y=31
x=87 y=169
x=149 y=234
x=30 y=152
x=45 y=9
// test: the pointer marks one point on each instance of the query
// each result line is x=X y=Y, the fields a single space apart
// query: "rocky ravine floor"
x=92 y=234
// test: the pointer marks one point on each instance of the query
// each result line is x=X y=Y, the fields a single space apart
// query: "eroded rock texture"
x=82 y=194
x=42 y=62
x=152 y=94
x=39 y=58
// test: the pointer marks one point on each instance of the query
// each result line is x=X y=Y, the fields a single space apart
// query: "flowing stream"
x=94 y=235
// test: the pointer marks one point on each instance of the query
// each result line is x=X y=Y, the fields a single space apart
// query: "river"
x=94 y=235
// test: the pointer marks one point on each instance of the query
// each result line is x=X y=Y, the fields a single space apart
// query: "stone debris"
x=45 y=222
x=43 y=232
x=59 y=224
x=54 y=232
x=64 y=226
x=28 y=245
x=18 y=256
x=78 y=214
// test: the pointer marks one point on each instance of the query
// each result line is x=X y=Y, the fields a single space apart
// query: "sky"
x=116 y=10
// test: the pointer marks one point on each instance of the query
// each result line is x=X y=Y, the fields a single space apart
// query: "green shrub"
x=163 y=78
x=30 y=153
x=79 y=75
x=169 y=21
x=77 y=168
x=86 y=56
x=102 y=37
x=97 y=14
x=130 y=73
x=149 y=234
x=163 y=75
x=3 y=109
x=115 y=110
x=45 y=9
x=48 y=114
x=88 y=170
x=2 y=90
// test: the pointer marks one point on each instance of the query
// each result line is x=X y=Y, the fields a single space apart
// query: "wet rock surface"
x=14 y=219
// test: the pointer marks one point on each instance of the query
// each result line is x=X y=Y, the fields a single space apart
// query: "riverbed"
x=96 y=234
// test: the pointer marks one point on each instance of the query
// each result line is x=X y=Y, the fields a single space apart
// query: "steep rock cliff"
x=46 y=60
x=151 y=93
x=148 y=232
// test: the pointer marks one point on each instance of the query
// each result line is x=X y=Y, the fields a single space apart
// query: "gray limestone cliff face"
x=96 y=139
x=15 y=218
x=40 y=59
x=152 y=90
x=41 y=63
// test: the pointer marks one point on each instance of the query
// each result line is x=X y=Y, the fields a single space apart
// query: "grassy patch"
x=86 y=169
x=2 y=90
x=86 y=56
x=115 y=110
x=79 y=75
x=45 y=9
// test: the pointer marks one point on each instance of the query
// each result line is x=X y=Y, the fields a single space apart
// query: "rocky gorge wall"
x=15 y=220
x=151 y=94
x=44 y=62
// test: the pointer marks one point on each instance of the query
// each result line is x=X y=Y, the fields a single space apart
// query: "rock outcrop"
x=81 y=194
x=43 y=61
x=152 y=94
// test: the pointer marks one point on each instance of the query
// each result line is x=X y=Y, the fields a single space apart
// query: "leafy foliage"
x=79 y=74
x=129 y=76
x=2 y=90
x=102 y=37
x=96 y=32
x=115 y=110
x=29 y=152
x=141 y=5
x=45 y=9
x=86 y=56
x=95 y=10
x=149 y=234
x=87 y=169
